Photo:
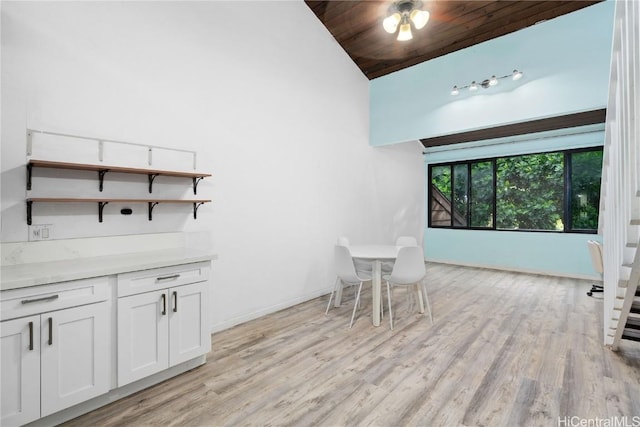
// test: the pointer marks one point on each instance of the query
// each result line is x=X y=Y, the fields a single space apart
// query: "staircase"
x=620 y=193
x=631 y=329
x=625 y=318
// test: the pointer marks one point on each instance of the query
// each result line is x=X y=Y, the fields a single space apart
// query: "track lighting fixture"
x=486 y=83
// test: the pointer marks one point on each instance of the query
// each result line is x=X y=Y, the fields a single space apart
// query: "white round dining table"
x=377 y=254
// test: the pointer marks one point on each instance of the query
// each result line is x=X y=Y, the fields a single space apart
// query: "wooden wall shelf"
x=103 y=169
x=105 y=201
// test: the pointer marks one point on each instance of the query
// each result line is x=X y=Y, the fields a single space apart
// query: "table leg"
x=376 y=284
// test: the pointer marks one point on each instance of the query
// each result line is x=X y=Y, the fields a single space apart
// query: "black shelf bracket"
x=151 y=206
x=152 y=176
x=29 y=170
x=196 y=180
x=195 y=209
x=101 y=206
x=29 y=203
x=101 y=174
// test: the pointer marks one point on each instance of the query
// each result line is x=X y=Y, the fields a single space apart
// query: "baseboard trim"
x=229 y=323
x=517 y=270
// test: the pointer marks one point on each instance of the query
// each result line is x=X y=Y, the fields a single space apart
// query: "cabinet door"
x=189 y=334
x=20 y=380
x=74 y=356
x=143 y=335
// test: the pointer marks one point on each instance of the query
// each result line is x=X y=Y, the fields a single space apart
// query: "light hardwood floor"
x=506 y=349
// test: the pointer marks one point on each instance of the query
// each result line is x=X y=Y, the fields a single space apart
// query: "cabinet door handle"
x=30 y=336
x=175 y=301
x=172 y=277
x=49 y=298
x=164 y=304
x=50 y=330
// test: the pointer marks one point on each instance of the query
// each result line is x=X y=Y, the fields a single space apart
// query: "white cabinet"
x=20 y=360
x=52 y=360
x=74 y=356
x=143 y=336
x=58 y=340
x=161 y=328
x=188 y=326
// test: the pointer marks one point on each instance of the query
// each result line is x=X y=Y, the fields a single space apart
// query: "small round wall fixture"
x=403 y=14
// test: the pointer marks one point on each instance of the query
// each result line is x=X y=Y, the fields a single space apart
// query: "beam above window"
x=533 y=126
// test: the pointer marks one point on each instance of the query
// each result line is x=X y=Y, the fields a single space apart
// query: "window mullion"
x=495 y=192
x=567 y=193
x=451 y=195
x=469 y=195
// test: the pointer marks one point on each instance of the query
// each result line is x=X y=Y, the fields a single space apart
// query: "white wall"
x=273 y=106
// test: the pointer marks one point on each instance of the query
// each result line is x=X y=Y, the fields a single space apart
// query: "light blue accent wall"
x=563 y=254
x=560 y=254
x=566 y=70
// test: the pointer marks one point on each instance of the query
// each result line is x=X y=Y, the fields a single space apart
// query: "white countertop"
x=41 y=273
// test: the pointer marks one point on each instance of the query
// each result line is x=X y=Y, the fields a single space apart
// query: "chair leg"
x=420 y=298
x=355 y=306
x=409 y=296
x=389 y=306
x=595 y=288
x=331 y=296
x=426 y=299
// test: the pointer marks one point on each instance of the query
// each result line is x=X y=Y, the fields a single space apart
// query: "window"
x=558 y=191
x=530 y=192
x=585 y=169
x=482 y=196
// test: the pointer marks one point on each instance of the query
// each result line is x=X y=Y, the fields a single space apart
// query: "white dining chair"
x=408 y=270
x=406 y=241
x=401 y=241
x=347 y=276
x=362 y=266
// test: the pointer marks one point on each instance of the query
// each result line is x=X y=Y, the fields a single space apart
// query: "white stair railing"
x=620 y=195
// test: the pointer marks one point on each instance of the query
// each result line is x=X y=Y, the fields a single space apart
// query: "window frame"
x=567 y=219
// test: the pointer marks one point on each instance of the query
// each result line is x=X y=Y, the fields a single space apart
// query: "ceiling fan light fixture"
x=419 y=18
x=405 y=32
x=391 y=22
x=403 y=14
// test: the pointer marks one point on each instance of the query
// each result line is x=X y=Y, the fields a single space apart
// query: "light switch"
x=40 y=232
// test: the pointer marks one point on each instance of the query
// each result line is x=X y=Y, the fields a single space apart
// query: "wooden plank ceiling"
x=453 y=25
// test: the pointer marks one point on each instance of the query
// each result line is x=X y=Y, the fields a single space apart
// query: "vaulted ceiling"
x=453 y=25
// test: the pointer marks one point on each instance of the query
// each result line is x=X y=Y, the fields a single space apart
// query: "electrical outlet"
x=40 y=232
